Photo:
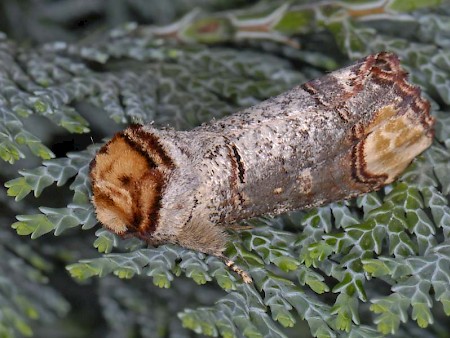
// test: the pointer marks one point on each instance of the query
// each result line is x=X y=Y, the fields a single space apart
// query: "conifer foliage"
x=374 y=266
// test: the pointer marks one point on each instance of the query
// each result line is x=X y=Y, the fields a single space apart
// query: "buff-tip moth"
x=336 y=137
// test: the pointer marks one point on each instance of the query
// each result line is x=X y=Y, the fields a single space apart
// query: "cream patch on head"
x=381 y=116
x=391 y=146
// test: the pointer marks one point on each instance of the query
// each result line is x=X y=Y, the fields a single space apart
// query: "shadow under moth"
x=342 y=135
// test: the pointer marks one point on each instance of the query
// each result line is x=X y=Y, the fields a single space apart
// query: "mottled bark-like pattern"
x=347 y=133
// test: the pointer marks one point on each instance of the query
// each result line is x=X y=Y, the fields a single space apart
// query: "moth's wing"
x=352 y=130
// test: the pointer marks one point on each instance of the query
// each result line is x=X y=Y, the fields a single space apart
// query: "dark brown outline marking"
x=192 y=212
x=134 y=145
x=410 y=93
x=240 y=165
x=359 y=172
x=152 y=142
x=237 y=170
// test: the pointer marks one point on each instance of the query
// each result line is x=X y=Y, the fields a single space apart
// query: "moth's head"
x=127 y=182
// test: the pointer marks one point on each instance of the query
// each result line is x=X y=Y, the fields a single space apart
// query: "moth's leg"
x=232 y=265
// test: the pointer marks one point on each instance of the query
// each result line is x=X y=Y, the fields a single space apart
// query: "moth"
x=342 y=135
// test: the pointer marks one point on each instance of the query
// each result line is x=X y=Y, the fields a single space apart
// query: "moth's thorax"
x=128 y=182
